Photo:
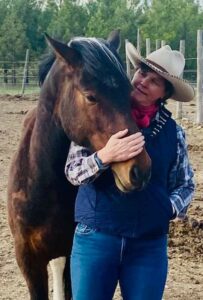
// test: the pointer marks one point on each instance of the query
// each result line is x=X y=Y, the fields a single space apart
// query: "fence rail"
x=14 y=75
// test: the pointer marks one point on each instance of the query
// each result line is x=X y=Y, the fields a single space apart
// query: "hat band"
x=156 y=65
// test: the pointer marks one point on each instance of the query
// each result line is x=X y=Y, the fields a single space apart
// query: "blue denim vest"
x=138 y=213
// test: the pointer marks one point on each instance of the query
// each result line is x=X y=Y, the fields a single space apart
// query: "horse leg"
x=34 y=271
x=57 y=266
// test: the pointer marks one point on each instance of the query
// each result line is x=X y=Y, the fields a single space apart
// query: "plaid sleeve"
x=181 y=183
x=81 y=167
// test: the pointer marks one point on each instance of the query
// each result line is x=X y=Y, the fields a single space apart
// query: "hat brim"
x=183 y=91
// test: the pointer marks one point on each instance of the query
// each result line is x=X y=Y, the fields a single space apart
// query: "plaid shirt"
x=81 y=168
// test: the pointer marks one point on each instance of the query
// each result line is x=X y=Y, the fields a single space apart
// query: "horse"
x=85 y=98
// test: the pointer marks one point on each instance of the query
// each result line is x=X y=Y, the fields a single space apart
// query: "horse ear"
x=71 y=56
x=114 y=39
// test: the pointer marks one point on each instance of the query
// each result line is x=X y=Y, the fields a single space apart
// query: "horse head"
x=92 y=100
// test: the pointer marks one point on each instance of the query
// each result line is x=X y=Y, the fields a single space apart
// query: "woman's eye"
x=156 y=82
x=91 y=98
x=143 y=73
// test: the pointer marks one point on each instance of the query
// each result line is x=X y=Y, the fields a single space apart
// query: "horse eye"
x=91 y=98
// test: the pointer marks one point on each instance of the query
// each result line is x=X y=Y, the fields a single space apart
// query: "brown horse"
x=85 y=98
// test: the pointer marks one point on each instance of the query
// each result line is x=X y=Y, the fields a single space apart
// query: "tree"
x=109 y=15
x=3 y=11
x=70 y=20
x=30 y=14
x=14 y=43
x=173 y=20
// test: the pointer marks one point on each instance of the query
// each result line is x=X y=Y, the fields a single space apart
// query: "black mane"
x=45 y=65
x=100 y=62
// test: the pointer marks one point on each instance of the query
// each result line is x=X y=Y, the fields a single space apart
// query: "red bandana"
x=143 y=114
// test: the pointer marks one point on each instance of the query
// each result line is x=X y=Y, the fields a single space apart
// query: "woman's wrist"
x=99 y=161
x=103 y=157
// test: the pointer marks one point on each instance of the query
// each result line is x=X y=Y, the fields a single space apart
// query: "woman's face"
x=148 y=87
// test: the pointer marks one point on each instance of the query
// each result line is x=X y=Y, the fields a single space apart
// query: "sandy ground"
x=185 y=279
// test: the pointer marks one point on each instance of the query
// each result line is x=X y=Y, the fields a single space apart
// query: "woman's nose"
x=144 y=81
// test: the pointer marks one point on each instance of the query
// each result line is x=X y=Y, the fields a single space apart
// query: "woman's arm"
x=181 y=182
x=81 y=166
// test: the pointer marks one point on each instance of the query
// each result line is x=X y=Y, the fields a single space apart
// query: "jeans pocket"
x=83 y=229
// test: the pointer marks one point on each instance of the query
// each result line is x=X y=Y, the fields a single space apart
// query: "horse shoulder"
x=19 y=163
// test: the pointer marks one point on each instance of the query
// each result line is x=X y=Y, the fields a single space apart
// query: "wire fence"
x=191 y=74
x=12 y=76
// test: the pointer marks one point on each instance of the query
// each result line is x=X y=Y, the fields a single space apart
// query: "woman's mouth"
x=140 y=90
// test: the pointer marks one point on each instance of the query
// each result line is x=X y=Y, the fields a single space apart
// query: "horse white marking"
x=57 y=266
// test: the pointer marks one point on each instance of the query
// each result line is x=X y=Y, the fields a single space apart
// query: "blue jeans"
x=99 y=261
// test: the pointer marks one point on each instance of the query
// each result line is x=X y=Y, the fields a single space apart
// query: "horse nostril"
x=135 y=175
x=140 y=179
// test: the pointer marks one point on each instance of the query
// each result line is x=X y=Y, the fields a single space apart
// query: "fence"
x=12 y=75
x=19 y=76
x=22 y=76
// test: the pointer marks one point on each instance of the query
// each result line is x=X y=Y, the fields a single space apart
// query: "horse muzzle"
x=140 y=179
x=132 y=176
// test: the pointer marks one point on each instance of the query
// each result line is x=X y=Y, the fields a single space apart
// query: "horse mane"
x=45 y=65
x=100 y=61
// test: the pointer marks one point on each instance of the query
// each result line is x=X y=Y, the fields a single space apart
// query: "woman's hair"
x=169 y=89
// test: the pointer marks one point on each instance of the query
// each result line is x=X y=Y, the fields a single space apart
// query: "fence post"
x=5 y=75
x=138 y=41
x=199 y=99
x=163 y=43
x=25 y=71
x=158 y=44
x=127 y=61
x=179 y=106
x=13 y=81
x=148 y=46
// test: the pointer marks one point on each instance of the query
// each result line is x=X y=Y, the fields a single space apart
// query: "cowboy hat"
x=167 y=63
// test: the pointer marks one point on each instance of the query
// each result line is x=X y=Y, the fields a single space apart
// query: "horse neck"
x=49 y=144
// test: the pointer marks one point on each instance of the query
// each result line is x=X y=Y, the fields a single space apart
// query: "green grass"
x=15 y=90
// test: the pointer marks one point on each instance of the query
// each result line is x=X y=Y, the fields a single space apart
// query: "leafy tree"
x=35 y=21
x=30 y=14
x=13 y=41
x=109 y=15
x=70 y=20
x=3 y=11
x=173 y=20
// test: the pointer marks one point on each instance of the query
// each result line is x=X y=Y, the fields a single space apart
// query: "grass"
x=17 y=90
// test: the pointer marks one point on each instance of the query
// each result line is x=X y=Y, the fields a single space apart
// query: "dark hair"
x=169 y=89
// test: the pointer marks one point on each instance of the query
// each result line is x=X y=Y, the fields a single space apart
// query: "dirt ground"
x=185 y=279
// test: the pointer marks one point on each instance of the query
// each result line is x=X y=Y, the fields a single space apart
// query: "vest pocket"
x=155 y=212
x=165 y=204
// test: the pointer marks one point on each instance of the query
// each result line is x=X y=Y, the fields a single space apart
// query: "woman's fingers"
x=132 y=137
x=120 y=134
x=137 y=146
x=137 y=141
x=121 y=148
x=135 y=153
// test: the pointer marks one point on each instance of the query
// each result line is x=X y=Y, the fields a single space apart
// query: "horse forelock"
x=100 y=61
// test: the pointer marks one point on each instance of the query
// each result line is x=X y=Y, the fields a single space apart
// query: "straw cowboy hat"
x=167 y=63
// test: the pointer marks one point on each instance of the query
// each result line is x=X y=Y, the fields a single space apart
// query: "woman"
x=122 y=237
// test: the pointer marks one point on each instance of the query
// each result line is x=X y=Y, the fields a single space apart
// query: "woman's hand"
x=121 y=148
